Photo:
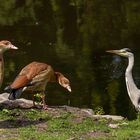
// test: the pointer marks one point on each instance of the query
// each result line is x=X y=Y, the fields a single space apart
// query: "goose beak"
x=13 y=47
x=68 y=88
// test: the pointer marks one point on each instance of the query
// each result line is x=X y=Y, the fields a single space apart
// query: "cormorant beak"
x=114 y=51
x=13 y=47
x=119 y=52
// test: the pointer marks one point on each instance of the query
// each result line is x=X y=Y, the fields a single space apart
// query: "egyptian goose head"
x=63 y=81
x=6 y=45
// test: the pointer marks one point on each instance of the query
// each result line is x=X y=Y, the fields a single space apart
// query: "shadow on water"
x=72 y=36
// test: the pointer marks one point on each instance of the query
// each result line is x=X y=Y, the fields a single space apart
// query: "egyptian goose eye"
x=6 y=43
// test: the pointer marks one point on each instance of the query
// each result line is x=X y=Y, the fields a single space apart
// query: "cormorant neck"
x=131 y=86
x=130 y=64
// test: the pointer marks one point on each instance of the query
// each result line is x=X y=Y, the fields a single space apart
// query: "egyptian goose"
x=4 y=46
x=34 y=78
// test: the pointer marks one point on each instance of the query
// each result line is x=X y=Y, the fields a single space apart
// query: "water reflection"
x=117 y=67
x=72 y=36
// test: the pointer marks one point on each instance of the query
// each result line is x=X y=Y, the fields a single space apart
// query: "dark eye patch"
x=127 y=49
x=6 y=43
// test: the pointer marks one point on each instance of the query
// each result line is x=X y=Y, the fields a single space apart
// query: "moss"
x=35 y=124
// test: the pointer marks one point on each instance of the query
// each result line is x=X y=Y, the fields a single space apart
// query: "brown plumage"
x=4 y=46
x=34 y=78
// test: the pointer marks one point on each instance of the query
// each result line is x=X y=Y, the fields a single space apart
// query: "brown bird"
x=34 y=78
x=4 y=46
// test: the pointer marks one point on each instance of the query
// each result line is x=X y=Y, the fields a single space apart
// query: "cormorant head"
x=125 y=52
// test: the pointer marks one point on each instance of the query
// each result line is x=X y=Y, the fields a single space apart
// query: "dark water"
x=72 y=36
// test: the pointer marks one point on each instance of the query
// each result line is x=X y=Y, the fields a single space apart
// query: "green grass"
x=34 y=124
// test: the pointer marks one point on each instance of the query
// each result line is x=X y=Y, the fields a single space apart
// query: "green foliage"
x=5 y=111
x=11 y=14
x=40 y=125
x=38 y=97
x=36 y=124
x=99 y=110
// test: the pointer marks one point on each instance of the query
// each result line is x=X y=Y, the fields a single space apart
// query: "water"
x=73 y=36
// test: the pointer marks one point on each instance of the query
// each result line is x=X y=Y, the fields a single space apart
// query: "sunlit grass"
x=41 y=125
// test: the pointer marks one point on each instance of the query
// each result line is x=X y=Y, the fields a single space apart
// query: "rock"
x=24 y=103
x=18 y=103
x=74 y=110
x=113 y=125
x=113 y=117
x=88 y=111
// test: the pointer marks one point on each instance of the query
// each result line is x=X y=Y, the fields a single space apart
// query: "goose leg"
x=38 y=106
x=33 y=98
x=45 y=107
